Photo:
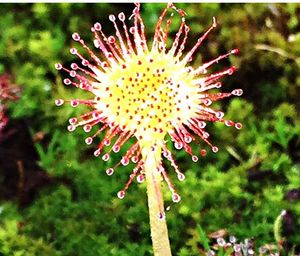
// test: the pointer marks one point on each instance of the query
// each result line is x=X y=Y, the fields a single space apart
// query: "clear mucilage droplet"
x=162 y=216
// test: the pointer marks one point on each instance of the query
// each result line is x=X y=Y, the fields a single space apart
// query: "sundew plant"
x=55 y=196
x=151 y=94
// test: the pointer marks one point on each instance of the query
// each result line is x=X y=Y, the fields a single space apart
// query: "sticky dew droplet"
x=203 y=152
x=162 y=216
x=180 y=176
x=237 y=92
x=219 y=114
x=59 y=102
x=125 y=161
x=97 y=26
x=178 y=145
x=71 y=128
x=97 y=152
x=121 y=194
x=135 y=159
x=111 y=40
x=238 y=126
x=74 y=66
x=176 y=198
x=140 y=178
x=67 y=81
x=87 y=128
x=215 y=149
x=229 y=123
x=188 y=139
x=106 y=142
x=58 y=66
x=73 y=120
x=105 y=157
x=234 y=51
x=85 y=63
x=121 y=16
x=201 y=124
x=74 y=103
x=73 y=73
x=76 y=36
x=112 y=17
x=89 y=140
x=194 y=158
x=166 y=154
x=73 y=51
x=116 y=148
x=218 y=85
x=205 y=135
x=207 y=102
x=109 y=171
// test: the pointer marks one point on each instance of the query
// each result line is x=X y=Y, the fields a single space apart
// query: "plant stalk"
x=158 y=225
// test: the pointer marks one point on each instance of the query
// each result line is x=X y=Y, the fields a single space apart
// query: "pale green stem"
x=158 y=226
x=277 y=226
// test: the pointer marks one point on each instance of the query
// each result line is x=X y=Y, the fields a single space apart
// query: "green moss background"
x=63 y=203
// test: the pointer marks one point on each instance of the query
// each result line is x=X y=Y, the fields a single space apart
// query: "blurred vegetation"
x=55 y=196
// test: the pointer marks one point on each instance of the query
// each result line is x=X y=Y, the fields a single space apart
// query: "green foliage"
x=203 y=238
x=14 y=242
x=243 y=188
